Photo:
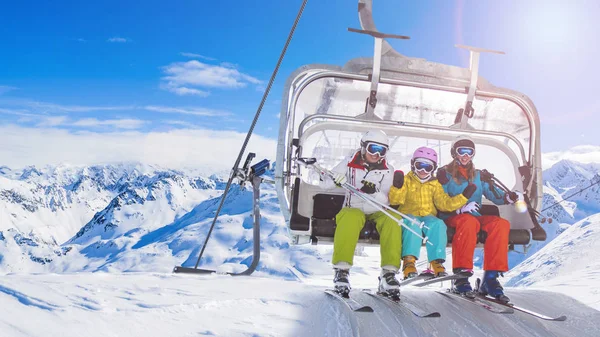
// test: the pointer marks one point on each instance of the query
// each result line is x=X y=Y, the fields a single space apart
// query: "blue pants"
x=436 y=234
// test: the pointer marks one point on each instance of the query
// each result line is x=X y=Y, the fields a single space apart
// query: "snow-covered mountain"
x=125 y=217
x=566 y=178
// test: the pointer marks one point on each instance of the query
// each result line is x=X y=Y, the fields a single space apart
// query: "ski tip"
x=366 y=308
x=433 y=314
x=561 y=318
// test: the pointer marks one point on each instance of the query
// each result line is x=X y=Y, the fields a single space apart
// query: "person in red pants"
x=467 y=220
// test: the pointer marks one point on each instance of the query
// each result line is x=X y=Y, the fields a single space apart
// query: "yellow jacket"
x=422 y=199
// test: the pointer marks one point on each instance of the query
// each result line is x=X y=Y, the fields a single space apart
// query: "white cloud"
x=81 y=40
x=229 y=65
x=581 y=153
x=195 y=73
x=187 y=111
x=182 y=123
x=6 y=88
x=51 y=107
x=183 y=91
x=16 y=112
x=43 y=108
x=125 y=123
x=117 y=39
x=180 y=148
x=52 y=121
x=197 y=56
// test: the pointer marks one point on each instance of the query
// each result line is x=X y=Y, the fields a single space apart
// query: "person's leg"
x=436 y=233
x=350 y=222
x=495 y=259
x=463 y=248
x=496 y=243
x=390 y=241
x=464 y=240
x=411 y=249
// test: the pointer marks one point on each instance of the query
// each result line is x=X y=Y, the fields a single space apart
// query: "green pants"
x=350 y=222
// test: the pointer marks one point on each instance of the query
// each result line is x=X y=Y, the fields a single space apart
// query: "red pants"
x=495 y=249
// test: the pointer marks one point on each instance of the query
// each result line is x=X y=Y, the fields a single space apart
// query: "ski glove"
x=398 y=179
x=469 y=190
x=442 y=177
x=486 y=176
x=512 y=197
x=368 y=187
x=468 y=208
x=339 y=178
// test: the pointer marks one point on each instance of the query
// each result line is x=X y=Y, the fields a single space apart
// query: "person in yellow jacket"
x=420 y=195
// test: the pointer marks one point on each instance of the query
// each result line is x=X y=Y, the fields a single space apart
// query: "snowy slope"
x=568 y=264
x=157 y=305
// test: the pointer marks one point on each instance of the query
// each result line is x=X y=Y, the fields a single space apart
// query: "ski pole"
x=389 y=208
x=377 y=205
x=311 y=162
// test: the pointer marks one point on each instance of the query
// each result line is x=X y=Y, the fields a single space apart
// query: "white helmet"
x=462 y=140
x=375 y=136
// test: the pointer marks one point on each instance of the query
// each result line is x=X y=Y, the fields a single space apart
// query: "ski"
x=464 y=274
x=421 y=277
x=350 y=302
x=527 y=311
x=404 y=305
x=475 y=300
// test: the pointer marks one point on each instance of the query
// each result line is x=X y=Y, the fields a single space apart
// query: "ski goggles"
x=426 y=166
x=376 y=149
x=465 y=151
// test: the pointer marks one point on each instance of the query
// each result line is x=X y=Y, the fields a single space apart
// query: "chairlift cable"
x=233 y=173
x=574 y=194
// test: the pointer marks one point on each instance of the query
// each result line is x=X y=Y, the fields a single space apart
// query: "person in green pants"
x=367 y=170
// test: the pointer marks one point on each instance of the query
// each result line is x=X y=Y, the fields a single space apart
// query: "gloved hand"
x=368 y=187
x=512 y=197
x=468 y=208
x=485 y=175
x=469 y=190
x=441 y=176
x=398 y=179
x=339 y=178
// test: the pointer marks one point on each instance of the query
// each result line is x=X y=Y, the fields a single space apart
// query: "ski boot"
x=462 y=286
x=341 y=282
x=408 y=267
x=388 y=285
x=491 y=286
x=438 y=268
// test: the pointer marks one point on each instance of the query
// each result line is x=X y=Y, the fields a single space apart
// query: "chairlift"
x=326 y=109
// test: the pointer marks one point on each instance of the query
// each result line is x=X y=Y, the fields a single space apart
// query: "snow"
x=568 y=264
x=112 y=274
x=164 y=304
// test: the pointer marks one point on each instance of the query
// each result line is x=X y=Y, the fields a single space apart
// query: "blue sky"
x=153 y=66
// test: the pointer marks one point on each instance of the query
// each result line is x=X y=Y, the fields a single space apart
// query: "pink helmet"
x=427 y=153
